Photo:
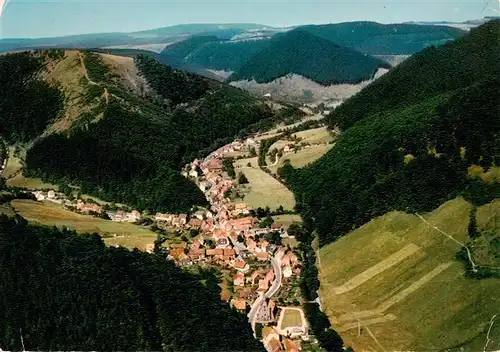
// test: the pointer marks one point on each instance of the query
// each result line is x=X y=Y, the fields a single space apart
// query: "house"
x=183 y=219
x=280 y=253
x=251 y=244
x=164 y=217
x=225 y=296
x=291 y=346
x=176 y=253
x=287 y=271
x=239 y=279
x=262 y=256
x=239 y=304
x=196 y=253
x=241 y=265
x=195 y=223
x=270 y=275
x=240 y=209
x=269 y=332
x=263 y=285
x=204 y=186
x=87 y=208
x=255 y=277
x=228 y=254
x=39 y=195
x=214 y=165
x=150 y=247
x=274 y=345
x=193 y=173
x=217 y=253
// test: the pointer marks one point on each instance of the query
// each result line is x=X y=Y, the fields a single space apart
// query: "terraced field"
x=396 y=283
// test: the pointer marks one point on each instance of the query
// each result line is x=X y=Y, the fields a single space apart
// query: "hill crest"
x=310 y=56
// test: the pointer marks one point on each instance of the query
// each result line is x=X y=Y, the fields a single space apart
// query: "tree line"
x=63 y=291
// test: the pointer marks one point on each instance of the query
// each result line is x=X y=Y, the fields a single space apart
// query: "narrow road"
x=276 y=284
x=277 y=281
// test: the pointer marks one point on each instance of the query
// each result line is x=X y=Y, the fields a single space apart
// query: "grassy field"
x=31 y=183
x=315 y=135
x=303 y=156
x=264 y=190
x=13 y=166
x=291 y=318
x=128 y=235
x=287 y=219
x=14 y=177
x=399 y=277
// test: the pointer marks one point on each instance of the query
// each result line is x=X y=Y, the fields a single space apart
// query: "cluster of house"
x=231 y=237
x=274 y=342
x=86 y=208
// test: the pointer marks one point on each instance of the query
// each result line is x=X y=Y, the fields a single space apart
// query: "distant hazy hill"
x=310 y=56
x=153 y=36
x=384 y=39
x=124 y=135
x=223 y=29
x=410 y=138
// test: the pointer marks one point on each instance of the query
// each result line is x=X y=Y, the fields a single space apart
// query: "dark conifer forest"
x=63 y=291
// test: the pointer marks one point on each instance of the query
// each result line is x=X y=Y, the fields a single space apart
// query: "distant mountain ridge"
x=303 y=53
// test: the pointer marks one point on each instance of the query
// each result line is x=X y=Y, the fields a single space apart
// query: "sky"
x=47 y=18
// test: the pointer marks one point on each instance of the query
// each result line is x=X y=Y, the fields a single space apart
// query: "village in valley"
x=260 y=268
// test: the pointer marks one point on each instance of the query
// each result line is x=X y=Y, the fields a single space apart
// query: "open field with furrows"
x=128 y=235
x=263 y=190
x=303 y=156
x=398 y=278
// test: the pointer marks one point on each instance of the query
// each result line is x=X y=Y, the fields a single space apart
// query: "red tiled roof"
x=239 y=264
x=275 y=345
x=229 y=251
x=239 y=304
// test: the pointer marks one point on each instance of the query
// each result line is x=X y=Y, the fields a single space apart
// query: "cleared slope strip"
x=423 y=302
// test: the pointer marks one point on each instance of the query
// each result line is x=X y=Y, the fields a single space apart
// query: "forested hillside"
x=415 y=141
x=63 y=291
x=182 y=49
x=212 y=52
x=120 y=144
x=27 y=104
x=432 y=71
x=310 y=56
x=228 y=56
x=384 y=39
